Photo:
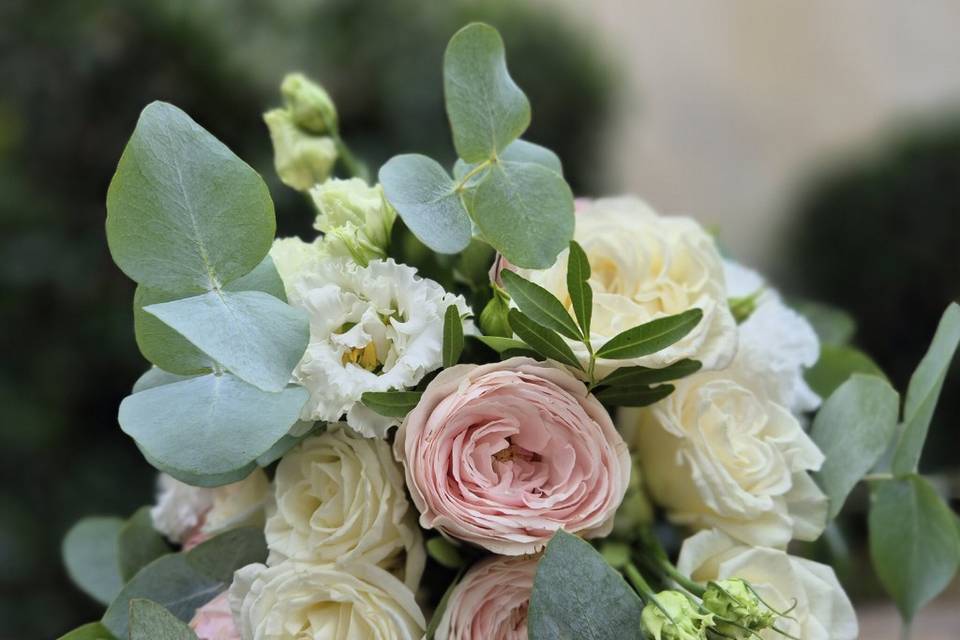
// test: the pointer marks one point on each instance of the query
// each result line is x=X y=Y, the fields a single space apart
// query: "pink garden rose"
x=214 y=621
x=502 y=455
x=491 y=601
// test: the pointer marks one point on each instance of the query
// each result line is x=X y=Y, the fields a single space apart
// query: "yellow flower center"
x=365 y=357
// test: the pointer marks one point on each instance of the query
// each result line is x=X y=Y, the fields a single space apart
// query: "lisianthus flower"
x=372 y=328
x=491 y=601
x=355 y=219
x=341 y=498
x=502 y=455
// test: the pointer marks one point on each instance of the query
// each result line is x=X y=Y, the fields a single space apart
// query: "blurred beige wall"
x=731 y=103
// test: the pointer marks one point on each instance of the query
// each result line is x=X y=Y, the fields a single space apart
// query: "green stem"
x=477 y=169
x=695 y=588
x=643 y=588
x=354 y=166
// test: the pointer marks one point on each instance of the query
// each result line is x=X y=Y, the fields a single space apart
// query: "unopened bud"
x=734 y=601
x=309 y=104
x=301 y=159
x=676 y=618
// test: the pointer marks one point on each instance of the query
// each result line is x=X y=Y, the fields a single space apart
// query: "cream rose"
x=823 y=611
x=298 y=601
x=491 y=601
x=341 y=499
x=645 y=266
x=502 y=455
x=719 y=453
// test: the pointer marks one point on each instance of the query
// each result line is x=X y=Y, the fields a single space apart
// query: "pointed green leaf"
x=853 y=429
x=253 y=335
x=208 y=430
x=913 y=542
x=924 y=391
x=835 y=365
x=525 y=212
x=91 y=631
x=500 y=344
x=636 y=376
x=581 y=295
x=183 y=212
x=487 y=110
x=138 y=543
x=452 y=336
x=650 y=337
x=577 y=595
x=150 y=621
x=393 y=404
x=543 y=340
x=634 y=395
x=539 y=305
x=518 y=151
x=90 y=556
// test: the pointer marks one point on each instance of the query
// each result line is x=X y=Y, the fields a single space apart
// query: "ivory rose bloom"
x=372 y=328
x=298 y=601
x=823 y=611
x=645 y=266
x=718 y=453
x=502 y=455
x=214 y=620
x=491 y=601
x=340 y=498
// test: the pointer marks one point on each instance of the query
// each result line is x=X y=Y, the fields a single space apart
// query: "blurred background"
x=821 y=139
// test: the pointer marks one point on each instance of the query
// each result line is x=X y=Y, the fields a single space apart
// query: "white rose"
x=298 y=601
x=341 y=499
x=777 y=344
x=719 y=453
x=372 y=328
x=645 y=266
x=822 y=612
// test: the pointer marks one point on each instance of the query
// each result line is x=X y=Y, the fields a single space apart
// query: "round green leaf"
x=151 y=621
x=90 y=555
x=91 y=631
x=160 y=344
x=517 y=151
x=139 y=543
x=183 y=212
x=835 y=365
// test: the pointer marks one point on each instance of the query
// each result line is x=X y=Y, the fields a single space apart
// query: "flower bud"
x=309 y=104
x=678 y=619
x=734 y=601
x=301 y=160
x=355 y=218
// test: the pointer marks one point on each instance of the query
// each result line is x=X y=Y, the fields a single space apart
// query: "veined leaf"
x=517 y=151
x=452 y=336
x=90 y=556
x=581 y=295
x=160 y=344
x=138 y=543
x=544 y=341
x=150 y=621
x=393 y=404
x=635 y=376
x=650 y=337
x=634 y=396
x=156 y=377
x=539 y=305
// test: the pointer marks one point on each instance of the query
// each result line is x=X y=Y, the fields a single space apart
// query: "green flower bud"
x=493 y=318
x=744 y=306
x=301 y=160
x=684 y=621
x=309 y=104
x=734 y=601
x=356 y=219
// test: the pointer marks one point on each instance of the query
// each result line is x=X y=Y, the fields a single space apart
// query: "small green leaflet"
x=540 y=305
x=138 y=543
x=634 y=396
x=581 y=295
x=150 y=621
x=392 y=404
x=635 y=376
x=90 y=555
x=487 y=110
x=650 y=337
x=542 y=340
x=452 y=336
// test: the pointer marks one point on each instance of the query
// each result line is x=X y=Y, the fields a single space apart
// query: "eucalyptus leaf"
x=577 y=595
x=634 y=395
x=650 y=337
x=914 y=542
x=264 y=277
x=393 y=404
x=544 y=341
x=581 y=295
x=183 y=212
x=518 y=151
x=289 y=441
x=138 y=543
x=540 y=305
x=635 y=376
x=426 y=199
x=252 y=334
x=90 y=631
x=156 y=377
x=835 y=365
x=208 y=430
x=487 y=110
x=853 y=428
x=833 y=325
x=159 y=343
x=525 y=211
x=452 y=336
x=924 y=391
x=90 y=555
x=151 y=621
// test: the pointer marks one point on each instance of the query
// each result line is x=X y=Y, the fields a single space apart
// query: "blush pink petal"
x=502 y=455
x=214 y=621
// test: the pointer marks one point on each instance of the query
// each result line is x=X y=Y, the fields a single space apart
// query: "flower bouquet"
x=597 y=427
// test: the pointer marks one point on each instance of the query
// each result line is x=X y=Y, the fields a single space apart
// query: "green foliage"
x=90 y=555
x=209 y=430
x=159 y=343
x=90 y=631
x=835 y=365
x=914 y=541
x=577 y=595
x=151 y=621
x=444 y=552
x=518 y=151
x=442 y=606
x=541 y=339
x=540 y=306
x=452 y=336
x=632 y=376
x=500 y=344
x=393 y=404
x=650 y=337
x=581 y=295
x=634 y=395
x=924 y=391
x=138 y=543
x=182 y=582
x=853 y=429
x=287 y=442
x=833 y=325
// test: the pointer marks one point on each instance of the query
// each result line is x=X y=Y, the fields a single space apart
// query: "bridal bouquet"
x=349 y=449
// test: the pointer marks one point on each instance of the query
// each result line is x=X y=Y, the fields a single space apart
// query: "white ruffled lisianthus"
x=300 y=601
x=341 y=498
x=822 y=612
x=372 y=328
x=646 y=266
x=354 y=217
x=777 y=344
